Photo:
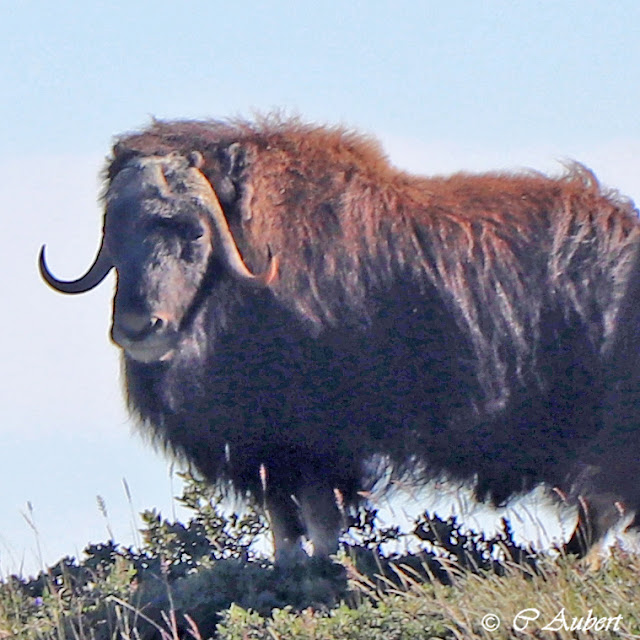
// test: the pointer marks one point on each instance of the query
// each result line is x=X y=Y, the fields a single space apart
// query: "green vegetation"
x=203 y=579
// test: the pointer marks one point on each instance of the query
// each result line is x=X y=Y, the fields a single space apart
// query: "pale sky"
x=446 y=86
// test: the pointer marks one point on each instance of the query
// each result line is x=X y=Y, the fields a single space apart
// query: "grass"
x=422 y=609
x=202 y=579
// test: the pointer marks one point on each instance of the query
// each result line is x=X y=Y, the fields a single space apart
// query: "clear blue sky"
x=446 y=86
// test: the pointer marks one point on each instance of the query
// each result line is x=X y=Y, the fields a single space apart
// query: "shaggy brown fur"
x=479 y=326
x=328 y=201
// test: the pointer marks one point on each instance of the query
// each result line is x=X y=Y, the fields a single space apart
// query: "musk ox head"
x=165 y=233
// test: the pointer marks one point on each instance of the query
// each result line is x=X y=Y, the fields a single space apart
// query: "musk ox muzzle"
x=145 y=337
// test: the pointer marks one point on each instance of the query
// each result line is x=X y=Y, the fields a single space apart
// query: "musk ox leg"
x=321 y=519
x=598 y=513
x=312 y=515
x=607 y=494
x=591 y=540
x=286 y=528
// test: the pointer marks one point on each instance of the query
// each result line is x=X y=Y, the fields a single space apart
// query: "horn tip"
x=272 y=270
x=42 y=263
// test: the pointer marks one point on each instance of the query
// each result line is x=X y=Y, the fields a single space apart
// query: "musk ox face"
x=165 y=233
x=158 y=234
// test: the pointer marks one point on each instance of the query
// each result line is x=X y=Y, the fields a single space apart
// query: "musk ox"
x=290 y=307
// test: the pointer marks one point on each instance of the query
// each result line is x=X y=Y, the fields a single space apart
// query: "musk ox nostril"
x=140 y=326
x=158 y=324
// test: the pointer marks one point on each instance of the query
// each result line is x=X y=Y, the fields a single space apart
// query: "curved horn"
x=94 y=276
x=224 y=241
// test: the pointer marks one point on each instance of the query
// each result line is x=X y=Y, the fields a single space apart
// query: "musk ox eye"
x=184 y=229
x=192 y=232
x=188 y=229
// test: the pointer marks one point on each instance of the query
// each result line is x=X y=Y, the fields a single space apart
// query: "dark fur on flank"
x=482 y=327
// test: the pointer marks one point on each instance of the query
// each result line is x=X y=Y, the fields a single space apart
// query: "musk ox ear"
x=196 y=160
x=235 y=156
x=231 y=159
x=121 y=155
